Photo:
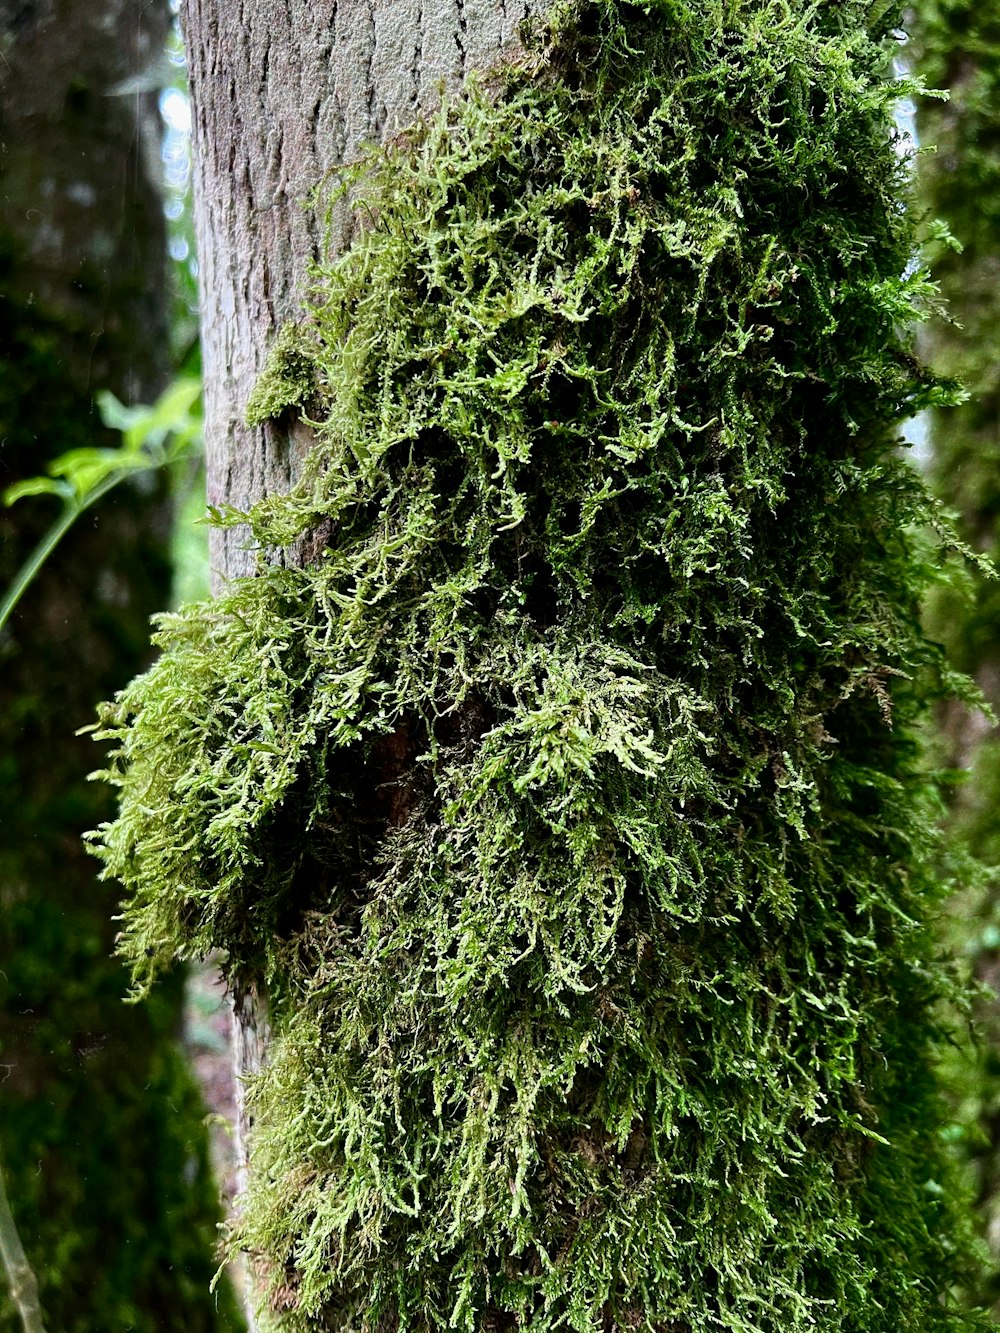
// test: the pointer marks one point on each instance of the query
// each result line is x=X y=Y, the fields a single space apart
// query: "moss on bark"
x=560 y=782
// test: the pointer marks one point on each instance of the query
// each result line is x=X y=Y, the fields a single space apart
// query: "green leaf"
x=149 y=425
x=36 y=486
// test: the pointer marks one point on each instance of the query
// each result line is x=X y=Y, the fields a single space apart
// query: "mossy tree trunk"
x=100 y=1125
x=283 y=95
x=957 y=48
x=555 y=769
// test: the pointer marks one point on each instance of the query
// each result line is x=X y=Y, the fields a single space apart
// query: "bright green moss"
x=568 y=802
x=288 y=380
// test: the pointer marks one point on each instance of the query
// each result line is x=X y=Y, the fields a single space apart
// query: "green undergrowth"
x=557 y=774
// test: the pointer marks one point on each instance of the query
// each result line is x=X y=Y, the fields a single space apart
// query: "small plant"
x=20 y=1275
x=152 y=437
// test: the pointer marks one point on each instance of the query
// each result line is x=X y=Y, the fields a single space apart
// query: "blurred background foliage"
x=955 y=45
x=101 y=1123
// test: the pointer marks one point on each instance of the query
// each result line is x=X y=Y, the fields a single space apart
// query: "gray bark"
x=284 y=92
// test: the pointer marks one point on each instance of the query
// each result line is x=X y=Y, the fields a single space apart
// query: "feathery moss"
x=563 y=790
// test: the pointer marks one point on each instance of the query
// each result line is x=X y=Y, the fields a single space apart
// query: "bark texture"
x=104 y=1149
x=284 y=94
x=455 y=1025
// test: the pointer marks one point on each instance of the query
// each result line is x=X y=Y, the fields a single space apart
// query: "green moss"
x=568 y=802
x=287 y=381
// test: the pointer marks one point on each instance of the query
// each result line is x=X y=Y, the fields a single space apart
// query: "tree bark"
x=283 y=94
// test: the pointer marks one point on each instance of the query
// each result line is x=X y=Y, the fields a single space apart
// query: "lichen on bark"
x=563 y=790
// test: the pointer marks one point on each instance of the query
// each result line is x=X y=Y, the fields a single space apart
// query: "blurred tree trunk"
x=101 y=1127
x=957 y=48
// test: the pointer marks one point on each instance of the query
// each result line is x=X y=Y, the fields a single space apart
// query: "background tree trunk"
x=104 y=1148
x=957 y=47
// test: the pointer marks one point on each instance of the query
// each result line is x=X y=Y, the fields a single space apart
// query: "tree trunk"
x=100 y=1127
x=283 y=95
x=558 y=769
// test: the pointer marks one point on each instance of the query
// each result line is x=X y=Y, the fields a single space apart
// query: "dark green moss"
x=567 y=800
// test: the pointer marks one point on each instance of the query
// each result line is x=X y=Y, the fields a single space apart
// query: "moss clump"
x=288 y=380
x=567 y=799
